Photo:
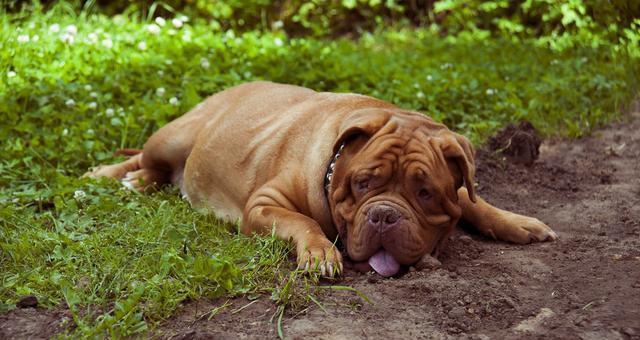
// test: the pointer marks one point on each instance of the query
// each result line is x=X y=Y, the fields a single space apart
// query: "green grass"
x=123 y=261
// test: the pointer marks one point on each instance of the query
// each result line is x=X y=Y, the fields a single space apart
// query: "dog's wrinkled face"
x=394 y=194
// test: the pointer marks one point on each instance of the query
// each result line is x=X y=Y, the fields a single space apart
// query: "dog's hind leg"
x=118 y=170
x=131 y=172
x=164 y=155
x=501 y=224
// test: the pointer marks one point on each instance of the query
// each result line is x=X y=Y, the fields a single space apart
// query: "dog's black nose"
x=382 y=217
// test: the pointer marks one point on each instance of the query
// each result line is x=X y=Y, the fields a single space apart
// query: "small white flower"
x=109 y=112
x=174 y=101
x=11 y=74
x=490 y=92
x=35 y=38
x=68 y=38
x=92 y=38
x=32 y=25
x=93 y=94
x=171 y=31
x=88 y=87
x=446 y=66
x=420 y=94
x=108 y=43
x=183 y=18
x=70 y=103
x=55 y=28
x=277 y=24
x=160 y=21
x=153 y=29
x=160 y=91
x=142 y=46
x=79 y=195
x=278 y=42
x=186 y=37
x=90 y=132
x=71 y=29
x=247 y=75
x=168 y=62
x=177 y=23
x=23 y=38
x=160 y=73
x=204 y=63
x=429 y=77
x=65 y=132
x=93 y=105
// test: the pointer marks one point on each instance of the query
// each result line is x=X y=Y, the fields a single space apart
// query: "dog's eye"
x=362 y=184
x=424 y=194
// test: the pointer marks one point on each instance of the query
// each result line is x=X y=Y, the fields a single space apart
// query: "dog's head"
x=393 y=194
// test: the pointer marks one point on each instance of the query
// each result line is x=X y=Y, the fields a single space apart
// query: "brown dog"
x=391 y=183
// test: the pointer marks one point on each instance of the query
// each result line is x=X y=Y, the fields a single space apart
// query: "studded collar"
x=330 y=168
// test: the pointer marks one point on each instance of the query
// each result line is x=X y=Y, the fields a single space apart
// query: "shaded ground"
x=584 y=286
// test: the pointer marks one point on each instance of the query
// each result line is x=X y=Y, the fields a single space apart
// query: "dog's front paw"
x=523 y=229
x=320 y=256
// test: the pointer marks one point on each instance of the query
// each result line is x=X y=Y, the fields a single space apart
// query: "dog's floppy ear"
x=362 y=122
x=457 y=148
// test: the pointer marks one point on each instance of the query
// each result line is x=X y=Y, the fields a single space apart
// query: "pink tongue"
x=384 y=264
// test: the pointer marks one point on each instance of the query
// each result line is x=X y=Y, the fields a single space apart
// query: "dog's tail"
x=128 y=152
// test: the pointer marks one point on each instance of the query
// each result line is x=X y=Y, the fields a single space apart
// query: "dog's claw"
x=323 y=259
x=539 y=231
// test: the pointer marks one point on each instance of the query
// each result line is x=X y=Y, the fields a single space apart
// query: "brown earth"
x=584 y=286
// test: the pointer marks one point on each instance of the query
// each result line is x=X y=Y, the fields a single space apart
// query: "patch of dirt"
x=586 y=285
x=34 y=323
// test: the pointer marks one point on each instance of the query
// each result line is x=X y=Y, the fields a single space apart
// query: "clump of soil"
x=520 y=143
x=29 y=301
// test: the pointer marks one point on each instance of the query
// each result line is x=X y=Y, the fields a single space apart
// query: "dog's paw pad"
x=128 y=183
x=140 y=180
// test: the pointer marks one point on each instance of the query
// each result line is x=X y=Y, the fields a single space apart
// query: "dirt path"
x=584 y=286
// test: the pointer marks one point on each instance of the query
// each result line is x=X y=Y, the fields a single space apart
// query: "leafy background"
x=82 y=79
